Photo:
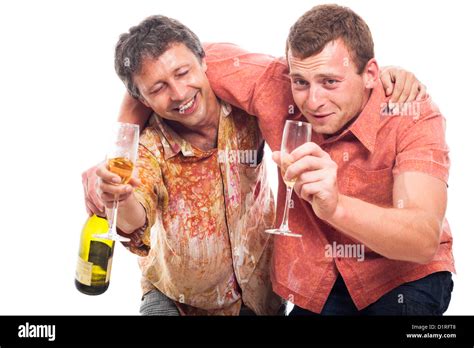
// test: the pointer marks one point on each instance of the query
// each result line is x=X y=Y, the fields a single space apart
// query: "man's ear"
x=204 y=64
x=144 y=102
x=371 y=73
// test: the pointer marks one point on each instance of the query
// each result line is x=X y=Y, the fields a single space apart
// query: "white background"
x=59 y=94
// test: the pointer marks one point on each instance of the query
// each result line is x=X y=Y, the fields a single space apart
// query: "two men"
x=169 y=86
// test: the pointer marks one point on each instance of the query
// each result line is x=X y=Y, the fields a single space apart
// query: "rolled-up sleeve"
x=256 y=83
x=421 y=145
x=236 y=75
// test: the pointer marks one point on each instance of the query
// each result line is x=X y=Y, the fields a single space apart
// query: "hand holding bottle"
x=94 y=204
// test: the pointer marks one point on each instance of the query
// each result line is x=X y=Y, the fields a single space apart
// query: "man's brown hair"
x=150 y=39
x=325 y=23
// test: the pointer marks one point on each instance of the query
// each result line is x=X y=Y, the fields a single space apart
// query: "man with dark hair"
x=375 y=177
x=371 y=186
x=150 y=39
x=197 y=216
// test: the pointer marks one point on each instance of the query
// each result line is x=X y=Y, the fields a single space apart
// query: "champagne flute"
x=121 y=160
x=295 y=134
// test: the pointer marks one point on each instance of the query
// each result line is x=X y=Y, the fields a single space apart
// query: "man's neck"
x=203 y=136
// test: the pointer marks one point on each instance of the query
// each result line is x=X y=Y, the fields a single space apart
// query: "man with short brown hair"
x=371 y=186
x=195 y=214
x=376 y=177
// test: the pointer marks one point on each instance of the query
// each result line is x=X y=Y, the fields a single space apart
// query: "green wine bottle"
x=94 y=263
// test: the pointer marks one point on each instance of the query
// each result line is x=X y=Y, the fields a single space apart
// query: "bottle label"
x=109 y=268
x=84 y=272
x=99 y=254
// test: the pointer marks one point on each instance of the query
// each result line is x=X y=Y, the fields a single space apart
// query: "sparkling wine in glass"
x=120 y=161
x=295 y=134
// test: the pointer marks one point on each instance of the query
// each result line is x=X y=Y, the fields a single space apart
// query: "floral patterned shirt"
x=203 y=244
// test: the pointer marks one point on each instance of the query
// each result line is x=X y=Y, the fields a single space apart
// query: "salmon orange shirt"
x=380 y=144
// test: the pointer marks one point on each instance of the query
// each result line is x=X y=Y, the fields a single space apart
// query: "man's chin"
x=194 y=120
x=325 y=130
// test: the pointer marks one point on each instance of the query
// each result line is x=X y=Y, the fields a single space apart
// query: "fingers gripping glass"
x=295 y=134
x=120 y=160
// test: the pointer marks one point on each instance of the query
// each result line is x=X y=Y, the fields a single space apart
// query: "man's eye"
x=300 y=83
x=157 y=90
x=182 y=73
x=330 y=82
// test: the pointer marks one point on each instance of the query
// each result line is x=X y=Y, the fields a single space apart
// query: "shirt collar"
x=172 y=142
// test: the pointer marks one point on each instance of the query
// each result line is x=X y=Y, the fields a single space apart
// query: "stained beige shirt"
x=203 y=245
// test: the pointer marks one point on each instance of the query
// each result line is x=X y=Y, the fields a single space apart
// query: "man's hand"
x=93 y=203
x=401 y=85
x=110 y=188
x=316 y=175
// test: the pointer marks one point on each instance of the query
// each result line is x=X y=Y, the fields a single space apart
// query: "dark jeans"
x=427 y=296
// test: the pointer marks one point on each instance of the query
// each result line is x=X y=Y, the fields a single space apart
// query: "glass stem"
x=113 y=218
x=284 y=223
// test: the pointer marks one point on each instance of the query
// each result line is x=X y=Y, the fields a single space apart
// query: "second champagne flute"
x=295 y=134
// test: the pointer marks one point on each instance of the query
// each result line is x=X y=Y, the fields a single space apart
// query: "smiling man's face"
x=176 y=87
x=327 y=88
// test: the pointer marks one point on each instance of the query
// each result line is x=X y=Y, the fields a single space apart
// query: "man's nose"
x=316 y=98
x=178 y=91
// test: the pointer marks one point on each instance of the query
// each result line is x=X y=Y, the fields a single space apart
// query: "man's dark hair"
x=325 y=23
x=150 y=39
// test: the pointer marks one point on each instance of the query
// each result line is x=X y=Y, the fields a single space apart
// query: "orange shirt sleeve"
x=256 y=83
x=421 y=143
